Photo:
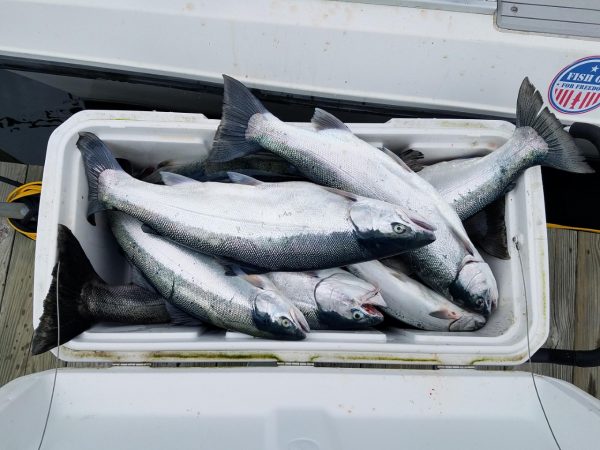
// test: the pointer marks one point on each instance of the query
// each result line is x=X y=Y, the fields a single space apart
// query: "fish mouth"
x=423 y=231
x=470 y=322
x=371 y=310
x=424 y=237
x=372 y=298
x=300 y=320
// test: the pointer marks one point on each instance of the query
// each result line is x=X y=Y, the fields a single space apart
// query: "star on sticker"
x=595 y=68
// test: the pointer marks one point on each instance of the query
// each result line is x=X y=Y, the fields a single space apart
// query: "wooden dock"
x=574 y=288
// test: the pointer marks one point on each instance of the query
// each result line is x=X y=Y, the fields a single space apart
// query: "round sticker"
x=576 y=89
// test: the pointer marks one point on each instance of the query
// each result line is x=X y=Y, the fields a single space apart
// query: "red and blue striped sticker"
x=576 y=88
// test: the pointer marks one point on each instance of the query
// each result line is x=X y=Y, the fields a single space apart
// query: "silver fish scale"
x=124 y=303
x=191 y=281
x=437 y=264
x=299 y=288
x=469 y=185
x=237 y=221
x=343 y=161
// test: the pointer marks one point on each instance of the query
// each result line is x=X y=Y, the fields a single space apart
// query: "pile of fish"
x=283 y=230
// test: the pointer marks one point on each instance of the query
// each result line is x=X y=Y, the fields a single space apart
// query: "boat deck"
x=574 y=288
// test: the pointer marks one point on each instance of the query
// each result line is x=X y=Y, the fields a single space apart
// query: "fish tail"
x=97 y=158
x=562 y=151
x=71 y=273
x=239 y=105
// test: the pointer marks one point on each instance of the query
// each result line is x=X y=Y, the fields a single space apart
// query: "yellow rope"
x=25 y=190
x=564 y=227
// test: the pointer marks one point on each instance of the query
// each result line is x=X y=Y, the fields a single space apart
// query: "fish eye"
x=398 y=228
x=285 y=322
x=357 y=315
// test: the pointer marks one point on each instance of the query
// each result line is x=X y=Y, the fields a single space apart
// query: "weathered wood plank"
x=587 y=307
x=15 y=320
x=7 y=234
x=562 y=255
x=562 y=247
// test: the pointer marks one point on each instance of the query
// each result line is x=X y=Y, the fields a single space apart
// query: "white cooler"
x=289 y=402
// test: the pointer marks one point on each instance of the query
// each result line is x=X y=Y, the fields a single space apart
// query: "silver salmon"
x=331 y=299
x=335 y=157
x=413 y=303
x=262 y=226
x=198 y=285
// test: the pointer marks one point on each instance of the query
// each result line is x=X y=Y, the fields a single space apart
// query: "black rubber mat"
x=572 y=200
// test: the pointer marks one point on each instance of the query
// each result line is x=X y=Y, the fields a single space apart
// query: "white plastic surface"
x=383 y=54
x=146 y=137
x=295 y=408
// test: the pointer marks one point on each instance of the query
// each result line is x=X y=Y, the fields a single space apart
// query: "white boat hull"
x=419 y=59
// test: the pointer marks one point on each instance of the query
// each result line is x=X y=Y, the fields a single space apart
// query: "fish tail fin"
x=64 y=304
x=239 y=105
x=562 y=151
x=97 y=158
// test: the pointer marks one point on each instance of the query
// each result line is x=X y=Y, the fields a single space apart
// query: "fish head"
x=274 y=315
x=468 y=322
x=382 y=226
x=475 y=287
x=347 y=302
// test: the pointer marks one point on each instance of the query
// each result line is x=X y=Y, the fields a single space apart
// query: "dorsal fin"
x=174 y=179
x=322 y=120
x=240 y=178
x=395 y=157
x=413 y=159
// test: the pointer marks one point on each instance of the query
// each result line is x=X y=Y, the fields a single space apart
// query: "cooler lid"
x=295 y=408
